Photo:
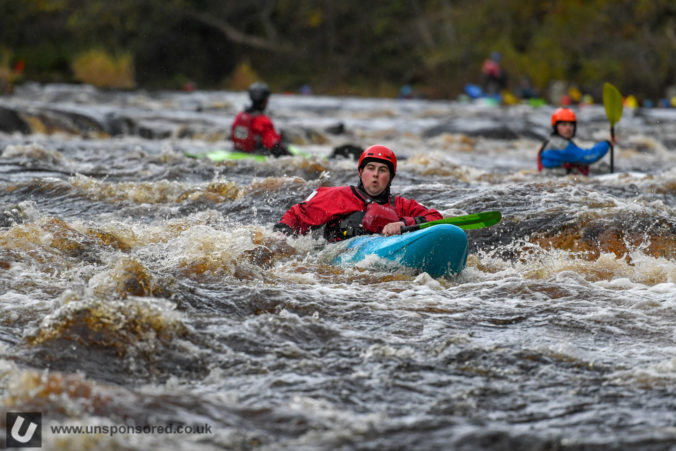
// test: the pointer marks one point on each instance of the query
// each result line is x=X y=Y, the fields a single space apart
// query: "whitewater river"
x=141 y=288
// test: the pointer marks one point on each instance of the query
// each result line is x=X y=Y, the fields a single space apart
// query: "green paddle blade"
x=612 y=101
x=467 y=222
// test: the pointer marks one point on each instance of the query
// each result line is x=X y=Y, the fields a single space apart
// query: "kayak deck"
x=438 y=250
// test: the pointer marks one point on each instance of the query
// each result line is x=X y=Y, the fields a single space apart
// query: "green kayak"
x=224 y=155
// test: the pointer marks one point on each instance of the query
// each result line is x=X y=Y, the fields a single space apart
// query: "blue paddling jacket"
x=559 y=152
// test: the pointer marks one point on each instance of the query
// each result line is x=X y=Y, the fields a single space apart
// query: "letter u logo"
x=26 y=436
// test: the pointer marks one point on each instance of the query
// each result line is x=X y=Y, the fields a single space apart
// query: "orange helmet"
x=381 y=154
x=563 y=115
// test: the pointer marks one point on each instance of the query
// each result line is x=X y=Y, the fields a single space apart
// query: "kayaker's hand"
x=393 y=228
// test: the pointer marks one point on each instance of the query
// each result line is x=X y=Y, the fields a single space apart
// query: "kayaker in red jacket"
x=493 y=76
x=367 y=208
x=252 y=130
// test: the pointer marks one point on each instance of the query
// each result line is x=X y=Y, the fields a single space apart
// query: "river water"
x=139 y=287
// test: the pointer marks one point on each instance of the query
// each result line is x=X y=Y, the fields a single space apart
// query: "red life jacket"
x=252 y=131
x=242 y=133
x=582 y=168
x=378 y=216
x=491 y=69
x=371 y=218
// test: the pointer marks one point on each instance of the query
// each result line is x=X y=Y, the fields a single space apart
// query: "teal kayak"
x=438 y=250
x=227 y=155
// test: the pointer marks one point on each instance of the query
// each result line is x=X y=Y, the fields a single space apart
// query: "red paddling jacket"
x=342 y=210
x=253 y=130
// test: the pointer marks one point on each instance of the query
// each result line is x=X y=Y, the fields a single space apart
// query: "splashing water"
x=141 y=287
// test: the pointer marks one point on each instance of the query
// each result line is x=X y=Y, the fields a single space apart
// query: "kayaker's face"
x=565 y=129
x=375 y=177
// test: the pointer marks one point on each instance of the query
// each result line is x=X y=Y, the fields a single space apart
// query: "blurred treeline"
x=341 y=47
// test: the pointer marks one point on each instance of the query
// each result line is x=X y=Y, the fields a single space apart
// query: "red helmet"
x=381 y=154
x=563 y=115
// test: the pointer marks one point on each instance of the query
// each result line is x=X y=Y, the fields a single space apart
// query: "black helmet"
x=259 y=93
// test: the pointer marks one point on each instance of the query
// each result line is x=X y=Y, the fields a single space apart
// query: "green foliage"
x=7 y=76
x=96 y=67
x=351 y=46
x=242 y=77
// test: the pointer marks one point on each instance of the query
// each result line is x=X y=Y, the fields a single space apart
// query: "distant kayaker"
x=252 y=130
x=493 y=76
x=559 y=151
x=348 y=211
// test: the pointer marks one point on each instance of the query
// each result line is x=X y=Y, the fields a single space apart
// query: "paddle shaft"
x=612 y=149
x=467 y=222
